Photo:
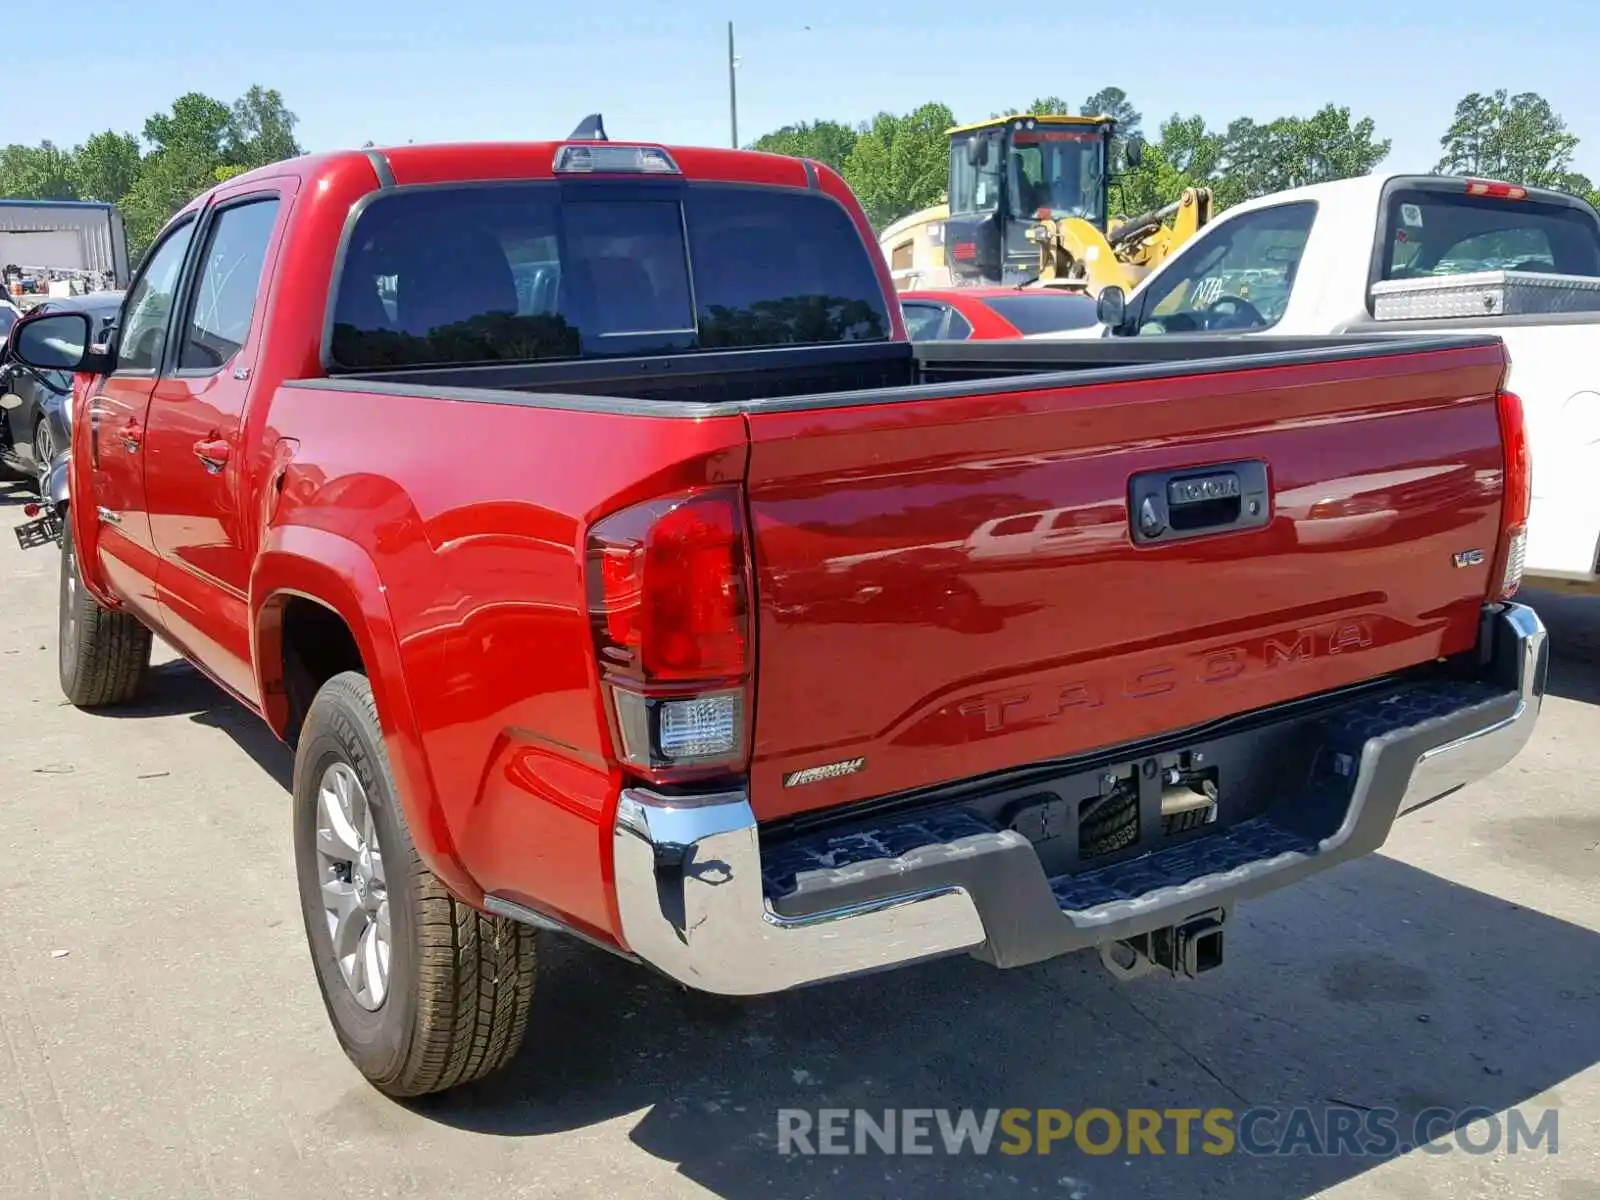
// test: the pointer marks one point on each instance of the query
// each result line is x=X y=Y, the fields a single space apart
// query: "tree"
x=41 y=172
x=1042 y=106
x=1185 y=154
x=194 y=145
x=1050 y=106
x=260 y=129
x=1293 y=152
x=106 y=166
x=828 y=142
x=1113 y=102
x=187 y=148
x=1517 y=139
x=900 y=163
x=199 y=143
x=196 y=127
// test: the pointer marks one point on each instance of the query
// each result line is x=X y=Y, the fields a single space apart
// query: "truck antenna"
x=591 y=129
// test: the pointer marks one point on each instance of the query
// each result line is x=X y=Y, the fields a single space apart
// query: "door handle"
x=213 y=455
x=132 y=435
x=1200 y=501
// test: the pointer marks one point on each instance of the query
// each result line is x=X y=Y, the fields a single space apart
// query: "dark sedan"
x=32 y=433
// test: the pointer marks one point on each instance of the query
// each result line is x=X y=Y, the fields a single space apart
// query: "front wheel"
x=103 y=655
x=425 y=993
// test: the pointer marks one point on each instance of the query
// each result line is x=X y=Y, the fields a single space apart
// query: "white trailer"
x=72 y=237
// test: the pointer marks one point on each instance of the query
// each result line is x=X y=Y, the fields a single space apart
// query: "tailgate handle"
x=1167 y=506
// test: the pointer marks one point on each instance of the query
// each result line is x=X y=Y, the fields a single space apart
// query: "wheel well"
x=317 y=645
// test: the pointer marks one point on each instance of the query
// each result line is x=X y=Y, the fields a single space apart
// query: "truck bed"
x=820 y=376
x=952 y=523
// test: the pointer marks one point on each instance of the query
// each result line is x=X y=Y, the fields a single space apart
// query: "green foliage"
x=896 y=163
x=106 y=166
x=1186 y=154
x=1517 y=139
x=1295 y=152
x=900 y=164
x=198 y=143
x=825 y=141
x=1049 y=106
x=39 y=172
x=1113 y=102
x=260 y=129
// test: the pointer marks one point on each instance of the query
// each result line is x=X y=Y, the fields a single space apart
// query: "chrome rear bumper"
x=692 y=901
x=1520 y=656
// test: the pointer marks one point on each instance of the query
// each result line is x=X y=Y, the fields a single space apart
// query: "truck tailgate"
x=949 y=585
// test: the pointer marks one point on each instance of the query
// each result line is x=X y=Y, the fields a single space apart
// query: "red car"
x=990 y=313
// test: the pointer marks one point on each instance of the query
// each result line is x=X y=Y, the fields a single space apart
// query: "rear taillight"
x=1516 y=496
x=669 y=602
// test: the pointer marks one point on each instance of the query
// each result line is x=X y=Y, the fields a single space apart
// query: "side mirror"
x=1111 y=308
x=1133 y=151
x=57 y=342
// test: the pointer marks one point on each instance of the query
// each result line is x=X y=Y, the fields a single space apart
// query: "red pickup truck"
x=583 y=517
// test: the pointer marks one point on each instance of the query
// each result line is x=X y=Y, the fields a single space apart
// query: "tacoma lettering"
x=1013 y=709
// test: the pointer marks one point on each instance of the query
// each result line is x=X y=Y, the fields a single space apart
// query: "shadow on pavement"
x=1380 y=986
x=176 y=689
x=1574 y=625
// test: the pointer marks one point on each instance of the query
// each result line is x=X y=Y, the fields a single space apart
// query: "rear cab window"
x=529 y=272
x=1430 y=232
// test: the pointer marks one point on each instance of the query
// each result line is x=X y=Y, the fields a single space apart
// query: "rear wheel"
x=425 y=993
x=103 y=655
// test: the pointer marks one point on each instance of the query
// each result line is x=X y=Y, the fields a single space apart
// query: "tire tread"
x=474 y=971
x=113 y=653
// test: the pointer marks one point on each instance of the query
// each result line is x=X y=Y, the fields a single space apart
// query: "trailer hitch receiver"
x=1186 y=950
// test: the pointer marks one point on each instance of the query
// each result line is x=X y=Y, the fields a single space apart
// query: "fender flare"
x=326 y=568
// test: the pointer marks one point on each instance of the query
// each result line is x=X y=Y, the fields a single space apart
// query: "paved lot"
x=162 y=1035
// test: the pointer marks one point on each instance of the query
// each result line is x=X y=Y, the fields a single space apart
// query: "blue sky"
x=392 y=70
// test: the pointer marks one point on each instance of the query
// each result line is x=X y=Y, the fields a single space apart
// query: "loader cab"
x=1007 y=174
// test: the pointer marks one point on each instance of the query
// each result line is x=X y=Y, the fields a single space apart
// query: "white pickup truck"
x=1407 y=254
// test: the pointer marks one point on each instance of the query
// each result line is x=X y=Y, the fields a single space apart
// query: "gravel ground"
x=160 y=1033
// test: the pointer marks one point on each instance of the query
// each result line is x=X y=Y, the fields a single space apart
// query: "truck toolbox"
x=1484 y=293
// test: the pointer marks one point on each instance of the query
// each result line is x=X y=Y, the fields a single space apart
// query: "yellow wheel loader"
x=1027 y=203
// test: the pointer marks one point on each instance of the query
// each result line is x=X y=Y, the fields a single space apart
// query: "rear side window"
x=1433 y=233
x=537 y=271
x=1045 y=314
x=922 y=320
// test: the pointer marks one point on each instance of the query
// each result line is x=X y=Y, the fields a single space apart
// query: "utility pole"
x=733 y=92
